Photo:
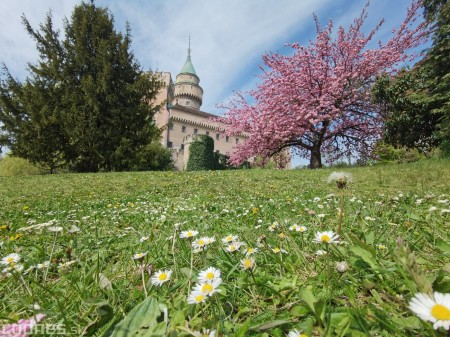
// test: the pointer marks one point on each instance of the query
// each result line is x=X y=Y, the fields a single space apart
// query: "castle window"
x=227 y=139
x=195 y=131
x=169 y=144
x=207 y=133
x=237 y=140
x=170 y=126
x=182 y=146
x=183 y=128
x=217 y=136
x=188 y=102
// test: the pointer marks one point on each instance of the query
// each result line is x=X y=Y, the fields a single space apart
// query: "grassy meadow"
x=103 y=254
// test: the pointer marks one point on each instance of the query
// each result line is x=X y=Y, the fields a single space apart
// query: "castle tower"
x=187 y=91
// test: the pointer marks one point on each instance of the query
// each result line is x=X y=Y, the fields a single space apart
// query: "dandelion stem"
x=173 y=252
x=143 y=280
x=341 y=213
x=26 y=286
x=51 y=255
x=190 y=269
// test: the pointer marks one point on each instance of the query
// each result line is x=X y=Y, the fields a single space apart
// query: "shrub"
x=15 y=166
x=201 y=154
x=153 y=157
x=385 y=153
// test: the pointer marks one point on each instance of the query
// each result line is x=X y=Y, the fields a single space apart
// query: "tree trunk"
x=315 y=160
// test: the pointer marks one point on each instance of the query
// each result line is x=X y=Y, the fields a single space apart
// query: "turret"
x=188 y=92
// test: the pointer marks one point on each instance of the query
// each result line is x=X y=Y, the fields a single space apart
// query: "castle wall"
x=181 y=120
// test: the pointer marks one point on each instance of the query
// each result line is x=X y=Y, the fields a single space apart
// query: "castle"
x=181 y=119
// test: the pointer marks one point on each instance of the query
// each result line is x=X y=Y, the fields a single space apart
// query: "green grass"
x=285 y=291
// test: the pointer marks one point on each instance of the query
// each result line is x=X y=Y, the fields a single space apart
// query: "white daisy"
x=230 y=238
x=321 y=252
x=248 y=263
x=208 y=288
x=10 y=259
x=200 y=244
x=435 y=309
x=250 y=251
x=139 y=256
x=196 y=297
x=234 y=246
x=160 y=277
x=294 y=227
x=209 y=240
x=326 y=237
x=209 y=275
x=144 y=238
x=40 y=266
x=188 y=234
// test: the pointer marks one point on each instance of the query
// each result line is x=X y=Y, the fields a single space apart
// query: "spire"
x=188 y=66
x=189 y=48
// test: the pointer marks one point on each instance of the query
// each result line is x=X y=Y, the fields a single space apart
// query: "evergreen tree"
x=31 y=112
x=437 y=62
x=86 y=99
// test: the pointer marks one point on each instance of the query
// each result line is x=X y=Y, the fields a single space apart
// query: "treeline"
x=416 y=102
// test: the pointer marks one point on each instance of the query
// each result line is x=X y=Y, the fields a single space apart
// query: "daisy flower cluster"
x=201 y=244
x=232 y=243
x=297 y=228
x=207 y=284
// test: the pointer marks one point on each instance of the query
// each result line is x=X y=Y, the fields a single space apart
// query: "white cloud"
x=228 y=37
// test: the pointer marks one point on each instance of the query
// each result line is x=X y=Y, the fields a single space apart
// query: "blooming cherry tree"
x=318 y=100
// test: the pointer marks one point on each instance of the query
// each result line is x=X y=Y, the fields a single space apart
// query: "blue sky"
x=228 y=37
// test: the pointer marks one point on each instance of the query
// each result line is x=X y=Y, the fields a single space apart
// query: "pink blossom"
x=318 y=100
x=21 y=328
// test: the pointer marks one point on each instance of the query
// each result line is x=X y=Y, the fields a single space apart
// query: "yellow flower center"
x=210 y=276
x=207 y=288
x=250 y=250
x=10 y=260
x=189 y=234
x=303 y=335
x=325 y=238
x=162 y=276
x=302 y=229
x=247 y=263
x=229 y=238
x=199 y=298
x=440 y=312
x=276 y=250
x=201 y=242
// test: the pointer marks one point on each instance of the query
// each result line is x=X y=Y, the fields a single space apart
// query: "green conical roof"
x=188 y=67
